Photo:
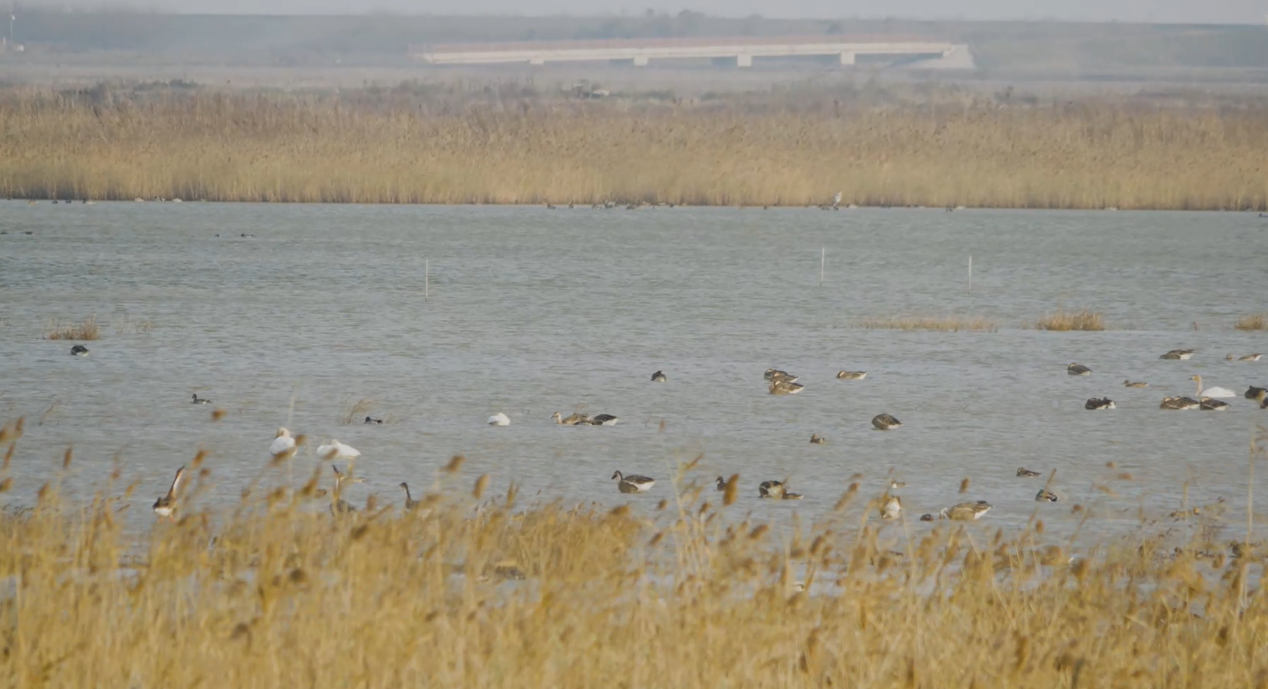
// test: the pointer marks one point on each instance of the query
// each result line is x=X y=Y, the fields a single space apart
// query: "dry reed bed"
x=270 y=591
x=1257 y=321
x=257 y=148
x=1062 y=320
x=58 y=329
x=944 y=323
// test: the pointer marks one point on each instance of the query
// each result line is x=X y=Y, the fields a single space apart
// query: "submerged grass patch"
x=361 y=149
x=946 y=323
x=58 y=329
x=685 y=592
x=1084 y=319
x=1257 y=321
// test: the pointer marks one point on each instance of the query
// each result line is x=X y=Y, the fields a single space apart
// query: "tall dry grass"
x=58 y=329
x=353 y=149
x=944 y=323
x=273 y=591
x=1083 y=319
x=1256 y=321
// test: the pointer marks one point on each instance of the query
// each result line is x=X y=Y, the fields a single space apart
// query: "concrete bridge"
x=640 y=52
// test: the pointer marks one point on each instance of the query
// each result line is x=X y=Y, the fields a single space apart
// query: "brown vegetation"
x=1061 y=319
x=1257 y=321
x=407 y=148
x=58 y=329
x=684 y=593
x=947 y=323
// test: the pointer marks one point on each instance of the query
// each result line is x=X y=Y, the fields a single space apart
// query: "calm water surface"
x=534 y=311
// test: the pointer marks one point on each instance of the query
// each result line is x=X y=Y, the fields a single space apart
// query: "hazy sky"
x=1182 y=11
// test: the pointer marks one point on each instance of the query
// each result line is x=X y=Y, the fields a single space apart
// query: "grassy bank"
x=287 y=149
x=688 y=593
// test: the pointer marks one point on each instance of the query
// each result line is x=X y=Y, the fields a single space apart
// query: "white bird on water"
x=337 y=450
x=283 y=443
x=1211 y=392
x=499 y=419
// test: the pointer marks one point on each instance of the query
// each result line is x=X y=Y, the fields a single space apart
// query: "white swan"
x=337 y=450
x=1211 y=392
x=499 y=419
x=283 y=443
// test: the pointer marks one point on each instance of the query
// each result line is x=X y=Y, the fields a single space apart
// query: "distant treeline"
x=1058 y=47
x=508 y=145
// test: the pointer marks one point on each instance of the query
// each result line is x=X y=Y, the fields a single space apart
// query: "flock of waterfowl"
x=779 y=382
x=1204 y=398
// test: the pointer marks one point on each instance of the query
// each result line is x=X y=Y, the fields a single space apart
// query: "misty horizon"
x=1126 y=11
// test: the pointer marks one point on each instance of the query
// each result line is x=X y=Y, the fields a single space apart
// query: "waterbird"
x=1078 y=370
x=200 y=400
x=966 y=511
x=1178 y=354
x=633 y=483
x=166 y=505
x=895 y=484
x=1249 y=357
x=785 y=387
x=770 y=489
x=721 y=483
x=1101 y=403
x=79 y=350
x=373 y=420
x=791 y=496
x=337 y=450
x=1212 y=405
x=410 y=502
x=338 y=505
x=926 y=517
x=1211 y=392
x=499 y=419
x=571 y=420
x=602 y=420
x=851 y=375
x=884 y=422
x=1026 y=473
x=1045 y=495
x=283 y=443
x=1252 y=393
x=1179 y=403
x=774 y=374
x=816 y=439
x=891 y=507
x=1138 y=384
x=659 y=377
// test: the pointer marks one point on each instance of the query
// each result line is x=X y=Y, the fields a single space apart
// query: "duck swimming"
x=1252 y=393
x=166 y=505
x=79 y=350
x=884 y=422
x=659 y=377
x=1102 y=403
x=602 y=420
x=770 y=489
x=851 y=375
x=633 y=483
x=371 y=420
x=784 y=387
x=200 y=400
x=816 y=439
x=1179 y=403
x=1045 y=495
x=966 y=511
x=1178 y=354
x=570 y=420
x=1078 y=370
x=1026 y=473
x=1209 y=404
x=774 y=374
x=1130 y=384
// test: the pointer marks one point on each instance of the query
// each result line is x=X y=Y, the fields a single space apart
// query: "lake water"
x=533 y=311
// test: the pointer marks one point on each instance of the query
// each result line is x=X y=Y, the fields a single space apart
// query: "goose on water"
x=166 y=505
x=337 y=450
x=1026 y=473
x=1211 y=392
x=770 y=489
x=816 y=439
x=283 y=443
x=1212 y=405
x=603 y=420
x=1248 y=357
x=966 y=511
x=1178 y=354
x=1139 y=384
x=1101 y=403
x=1179 y=403
x=371 y=420
x=200 y=400
x=851 y=375
x=499 y=419
x=790 y=496
x=784 y=387
x=884 y=422
x=570 y=420
x=79 y=350
x=1252 y=392
x=410 y=502
x=659 y=377
x=1078 y=370
x=633 y=483
x=774 y=374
